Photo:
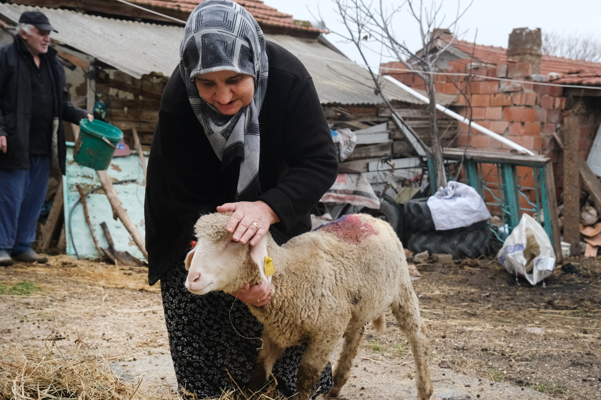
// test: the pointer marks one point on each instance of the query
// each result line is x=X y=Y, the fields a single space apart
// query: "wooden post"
x=552 y=215
x=120 y=212
x=84 y=203
x=75 y=129
x=91 y=94
x=571 y=185
x=49 y=227
x=138 y=147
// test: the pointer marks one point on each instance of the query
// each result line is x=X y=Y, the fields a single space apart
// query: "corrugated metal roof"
x=132 y=47
x=139 y=49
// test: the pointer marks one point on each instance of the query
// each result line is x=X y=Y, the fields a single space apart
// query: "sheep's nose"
x=193 y=281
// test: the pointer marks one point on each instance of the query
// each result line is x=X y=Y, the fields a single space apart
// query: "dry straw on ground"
x=83 y=374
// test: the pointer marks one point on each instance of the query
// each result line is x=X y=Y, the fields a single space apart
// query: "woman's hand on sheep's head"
x=249 y=221
x=257 y=295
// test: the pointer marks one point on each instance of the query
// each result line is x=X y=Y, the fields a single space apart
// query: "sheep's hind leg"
x=352 y=338
x=267 y=357
x=410 y=322
x=314 y=360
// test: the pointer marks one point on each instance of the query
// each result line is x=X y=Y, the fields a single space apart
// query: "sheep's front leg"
x=410 y=322
x=314 y=360
x=352 y=338
x=268 y=355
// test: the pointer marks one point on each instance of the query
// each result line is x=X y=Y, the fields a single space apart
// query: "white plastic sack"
x=345 y=140
x=528 y=251
x=456 y=206
x=353 y=189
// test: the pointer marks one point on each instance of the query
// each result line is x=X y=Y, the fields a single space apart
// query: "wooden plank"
x=404 y=112
x=374 y=150
x=553 y=211
x=493 y=157
x=134 y=114
x=574 y=92
x=401 y=163
x=371 y=138
x=138 y=147
x=56 y=211
x=73 y=59
x=356 y=166
x=128 y=87
x=91 y=90
x=571 y=185
x=381 y=128
x=375 y=177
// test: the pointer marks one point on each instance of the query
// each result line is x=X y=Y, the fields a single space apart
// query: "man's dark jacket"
x=15 y=105
x=297 y=165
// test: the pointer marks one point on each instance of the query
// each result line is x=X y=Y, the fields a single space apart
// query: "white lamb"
x=327 y=284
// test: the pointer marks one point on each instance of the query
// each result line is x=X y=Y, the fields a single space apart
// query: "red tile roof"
x=586 y=78
x=266 y=16
x=498 y=55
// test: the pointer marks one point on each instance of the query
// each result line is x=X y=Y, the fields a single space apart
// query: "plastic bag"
x=345 y=141
x=353 y=189
x=457 y=206
x=528 y=251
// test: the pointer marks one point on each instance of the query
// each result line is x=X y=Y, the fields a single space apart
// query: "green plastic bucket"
x=96 y=144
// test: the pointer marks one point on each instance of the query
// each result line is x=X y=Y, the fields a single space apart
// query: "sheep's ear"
x=258 y=253
x=189 y=258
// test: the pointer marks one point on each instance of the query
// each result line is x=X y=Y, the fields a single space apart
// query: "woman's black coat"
x=185 y=179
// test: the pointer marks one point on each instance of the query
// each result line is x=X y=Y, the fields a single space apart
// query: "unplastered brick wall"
x=514 y=107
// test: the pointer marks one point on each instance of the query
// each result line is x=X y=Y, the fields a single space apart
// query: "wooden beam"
x=553 y=211
x=73 y=59
x=120 y=212
x=571 y=185
x=128 y=87
x=91 y=90
x=375 y=150
x=497 y=157
x=574 y=92
x=49 y=227
x=138 y=147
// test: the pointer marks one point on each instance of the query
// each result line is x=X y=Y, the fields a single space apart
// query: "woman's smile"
x=227 y=91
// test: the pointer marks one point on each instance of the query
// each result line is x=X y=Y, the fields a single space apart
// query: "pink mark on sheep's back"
x=350 y=228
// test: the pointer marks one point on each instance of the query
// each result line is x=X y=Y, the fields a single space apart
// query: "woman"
x=240 y=130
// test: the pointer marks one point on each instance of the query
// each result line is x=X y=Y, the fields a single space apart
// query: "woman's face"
x=227 y=91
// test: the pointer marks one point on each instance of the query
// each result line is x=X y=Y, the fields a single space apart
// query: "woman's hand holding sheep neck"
x=249 y=222
x=257 y=295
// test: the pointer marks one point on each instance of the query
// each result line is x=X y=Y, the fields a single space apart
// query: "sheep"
x=327 y=284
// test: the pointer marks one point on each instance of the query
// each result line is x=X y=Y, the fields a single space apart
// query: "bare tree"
x=372 y=21
x=574 y=45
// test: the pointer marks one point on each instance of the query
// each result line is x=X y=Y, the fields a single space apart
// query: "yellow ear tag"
x=269 y=269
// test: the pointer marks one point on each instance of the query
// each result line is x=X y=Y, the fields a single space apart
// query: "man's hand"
x=249 y=221
x=90 y=117
x=257 y=295
x=3 y=145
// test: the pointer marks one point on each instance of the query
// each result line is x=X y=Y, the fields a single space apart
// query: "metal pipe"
x=458 y=117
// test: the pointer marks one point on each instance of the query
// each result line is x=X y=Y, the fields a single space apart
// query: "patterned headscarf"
x=222 y=36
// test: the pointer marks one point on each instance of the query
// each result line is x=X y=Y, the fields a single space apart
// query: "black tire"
x=389 y=211
x=418 y=216
x=471 y=242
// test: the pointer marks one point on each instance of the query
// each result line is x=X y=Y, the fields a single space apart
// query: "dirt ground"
x=492 y=337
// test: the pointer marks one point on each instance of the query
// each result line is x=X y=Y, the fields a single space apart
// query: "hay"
x=84 y=374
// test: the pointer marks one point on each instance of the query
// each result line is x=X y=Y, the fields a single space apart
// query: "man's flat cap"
x=37 y=19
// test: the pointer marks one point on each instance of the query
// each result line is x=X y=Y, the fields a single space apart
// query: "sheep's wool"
x=221 y=35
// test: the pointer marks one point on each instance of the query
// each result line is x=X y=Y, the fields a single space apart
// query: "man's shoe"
x=5 y=259
x=30 y=256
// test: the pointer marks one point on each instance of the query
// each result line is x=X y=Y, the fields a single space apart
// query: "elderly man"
x=33 y=103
